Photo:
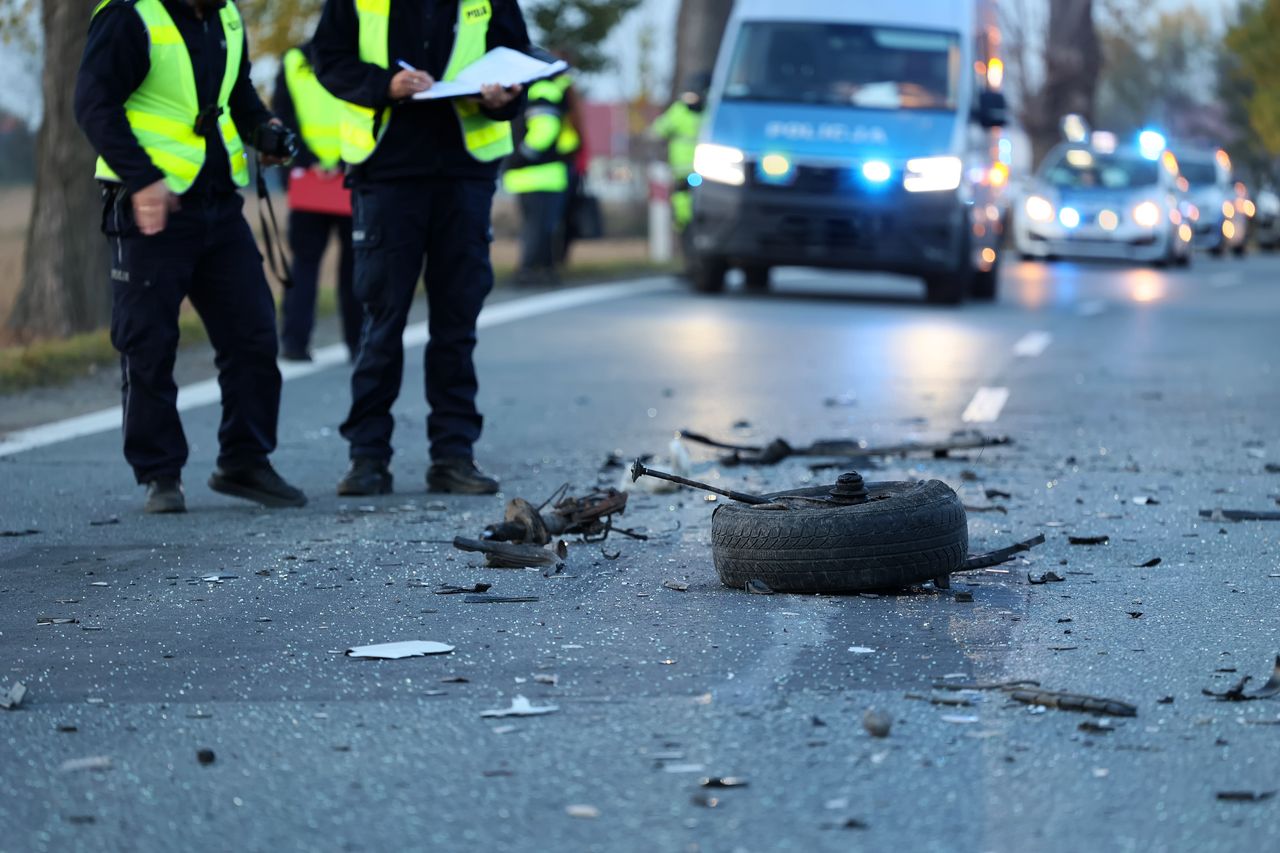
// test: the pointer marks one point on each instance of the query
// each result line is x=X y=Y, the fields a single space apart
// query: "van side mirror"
x=992 y=109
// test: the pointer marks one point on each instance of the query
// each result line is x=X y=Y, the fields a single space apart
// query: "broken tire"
x=907 y=533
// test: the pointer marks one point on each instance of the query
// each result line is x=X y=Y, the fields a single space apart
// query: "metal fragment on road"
x=1072 y=702
x=499 y=599
x=1047 y=577
x=521 y=707
x=1001 y=555
x=724 y=782
x=1239 y=515
x=1149 y=564
x=398 y=650
x=450 y=589
x=504 y=555
x=1245 y=796
x=12 y=698
x=12 y=534
x=1237 y=694
x=678 y=586
x=1088 y=540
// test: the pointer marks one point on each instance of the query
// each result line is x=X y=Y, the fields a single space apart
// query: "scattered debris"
x=1134 y=614
x=402 y=649
x=876 y=723
x=1149 y=564
x=1047 y=577
x=1071 y=702
x=1237 y=694
x=1145 y=500
x=455 y=679
x=758 y=587
x=959 y=719
x=581 y=810
x=1239 y=515
x=950 y=701
x=105 y=522
x=11 y=534
x=499 y=599
x=724 y=782
x=521 y=707
x=678 y=586
x=56 y=620
x=996 y=494
x=780 y=449
x=513 y=556
x=450 y=589
x=848 y=823
x=589 y=516
x=12 y=698
x=1001 y=555
x=205 y=756
x=1100 y=727
x=964 y=597
x=93 y=762
x=1089 y=540
x=862 y=650
x=546 y=678
x=1245 y=796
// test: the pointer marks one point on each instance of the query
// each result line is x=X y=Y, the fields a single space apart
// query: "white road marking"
x=1224 y=279
x=986 y=405
x=1091 y=309
x=204 y=393
x=1032 y=344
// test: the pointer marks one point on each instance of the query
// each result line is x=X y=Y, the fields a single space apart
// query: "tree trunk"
x=699 y=28
x=1073 y=56
x=65 y=287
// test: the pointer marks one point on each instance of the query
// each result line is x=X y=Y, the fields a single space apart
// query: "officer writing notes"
x=422 y=175
x=319 y=205
x=164 y=96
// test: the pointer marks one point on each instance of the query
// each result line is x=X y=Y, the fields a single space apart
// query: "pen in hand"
x=408 y=81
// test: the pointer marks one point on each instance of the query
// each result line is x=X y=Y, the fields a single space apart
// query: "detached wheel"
x=707 y=273
x=905 y=533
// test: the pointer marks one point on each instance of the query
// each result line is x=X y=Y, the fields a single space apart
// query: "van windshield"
x=1079 y=168
x=1199 y=173
x=845 y=64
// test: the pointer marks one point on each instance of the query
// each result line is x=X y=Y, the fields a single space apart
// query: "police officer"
x=679 y=125
x=423 y=175
x=538 y=175
x=300 y=101
x=163 y=94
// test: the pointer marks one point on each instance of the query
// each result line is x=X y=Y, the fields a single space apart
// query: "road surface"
x=1135 y=398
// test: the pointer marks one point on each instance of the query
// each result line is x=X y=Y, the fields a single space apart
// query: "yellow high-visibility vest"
x=319 y=113
x=162 y=111
x=543 y=132
x=363 y=127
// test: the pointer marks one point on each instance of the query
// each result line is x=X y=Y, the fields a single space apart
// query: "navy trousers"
x=398 y=229
x=207 y=254
x=308 y=238
x=541 y=215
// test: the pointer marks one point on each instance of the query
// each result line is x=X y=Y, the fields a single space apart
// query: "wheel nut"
x=849 y=489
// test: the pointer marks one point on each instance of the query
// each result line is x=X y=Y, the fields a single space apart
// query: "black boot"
x=366 y=476
x=259 y=483
x=460 y=476
x=164 y=494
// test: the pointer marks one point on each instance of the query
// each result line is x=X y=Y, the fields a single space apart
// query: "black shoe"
x=164 y=494
x=460 y=476
x=295 y=355
x=260 y=484
x=366 y=476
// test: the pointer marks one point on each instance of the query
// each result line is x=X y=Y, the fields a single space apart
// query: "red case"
x=313 y=192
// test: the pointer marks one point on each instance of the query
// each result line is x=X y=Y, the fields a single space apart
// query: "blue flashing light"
x=876 y=171
x=694 y=179
x=1151 y=144
x=1069 y=217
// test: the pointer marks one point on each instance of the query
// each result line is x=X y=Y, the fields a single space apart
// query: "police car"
x=1222 y=218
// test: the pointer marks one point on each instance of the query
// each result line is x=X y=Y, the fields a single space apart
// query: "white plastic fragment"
x=959 y=719
x=402 y=649
x=12 y=697
x=93 y=762
x=862 y=650
x=521 y=707
x=582 y=810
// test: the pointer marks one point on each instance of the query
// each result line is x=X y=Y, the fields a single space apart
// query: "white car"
x=1088 y=201
x=1221 y=222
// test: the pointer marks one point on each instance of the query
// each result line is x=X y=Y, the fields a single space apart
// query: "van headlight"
x=720 y=163
x=1147 y=214
x=1038 y=208
x=932 y=174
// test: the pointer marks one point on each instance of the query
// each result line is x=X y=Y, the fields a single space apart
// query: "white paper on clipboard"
x=501 y=65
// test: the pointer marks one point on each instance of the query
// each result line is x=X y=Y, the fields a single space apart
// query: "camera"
x=275 y=140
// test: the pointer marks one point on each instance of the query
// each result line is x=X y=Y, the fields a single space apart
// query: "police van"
x=857 y=136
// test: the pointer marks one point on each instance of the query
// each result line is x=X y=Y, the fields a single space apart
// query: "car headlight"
x=1147 y=214
x=1228 y=210
x=720 y=163
x=1038 y=208
x=932 y=174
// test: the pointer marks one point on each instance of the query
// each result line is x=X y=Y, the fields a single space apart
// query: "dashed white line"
x=204 y=393
x=986 y=405
x=1032 y=344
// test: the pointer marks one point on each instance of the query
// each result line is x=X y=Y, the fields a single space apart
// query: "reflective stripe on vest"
x=545 y=178
x=162 y=110
x=319 y=113
x=546 y=169
x=362 y=127
x=680 y=125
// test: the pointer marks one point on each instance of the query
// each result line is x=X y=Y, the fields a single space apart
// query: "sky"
x=21 y=71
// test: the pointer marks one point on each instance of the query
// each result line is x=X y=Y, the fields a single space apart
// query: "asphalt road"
x=1115 y=384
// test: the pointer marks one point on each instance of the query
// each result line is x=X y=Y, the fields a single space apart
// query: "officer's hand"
x=495 y=97
x=406 y=84
x=151 y=207
x=268 y=160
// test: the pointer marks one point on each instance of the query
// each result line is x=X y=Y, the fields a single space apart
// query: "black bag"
x=585 y=218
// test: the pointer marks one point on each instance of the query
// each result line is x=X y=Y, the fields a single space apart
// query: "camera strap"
x=276 y=260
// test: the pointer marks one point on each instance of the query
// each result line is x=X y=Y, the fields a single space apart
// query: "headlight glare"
x=720 y=163
x=1039 y=209
x=932 y=174
x=1147 y=214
